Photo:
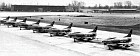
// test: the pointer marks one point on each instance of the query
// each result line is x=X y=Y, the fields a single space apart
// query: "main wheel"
x=33 y=31
x=14 y=25
x=89 y=39
x=8 y=26
x=75 y=40
x=20 y=28
x=110 y=47
x=51 y=35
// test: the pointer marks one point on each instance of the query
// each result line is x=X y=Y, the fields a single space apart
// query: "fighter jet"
x=21 y=22
x=78 y=36
x=4 y=20
x=27 y=26
x=59 y=32
x=115 y=42
x=42 y=29
x=11 y=23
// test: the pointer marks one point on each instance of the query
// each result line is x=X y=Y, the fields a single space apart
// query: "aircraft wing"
x=46 y=27
x=118 y=40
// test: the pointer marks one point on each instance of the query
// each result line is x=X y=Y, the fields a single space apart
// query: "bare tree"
x=2 y=5
x=138 y=7
x=128 y=4
x=95 y=6
x=139 y=4
x=106 y=6
x=118 y=5
x=76 y=5
x=69 y=8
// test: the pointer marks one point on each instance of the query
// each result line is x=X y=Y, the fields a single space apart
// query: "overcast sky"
x=65 y=2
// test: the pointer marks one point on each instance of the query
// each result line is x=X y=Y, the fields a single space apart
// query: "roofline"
x=123 y=9
x=36 y=5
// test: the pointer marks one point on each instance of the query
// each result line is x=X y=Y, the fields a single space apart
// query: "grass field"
x=115 y=22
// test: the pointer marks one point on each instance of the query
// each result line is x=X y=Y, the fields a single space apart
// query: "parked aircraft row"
x=111 y=43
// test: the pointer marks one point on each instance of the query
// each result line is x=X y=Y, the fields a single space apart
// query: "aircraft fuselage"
x=82 y=37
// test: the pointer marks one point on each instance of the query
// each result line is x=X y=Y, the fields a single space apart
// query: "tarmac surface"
x=15 y=42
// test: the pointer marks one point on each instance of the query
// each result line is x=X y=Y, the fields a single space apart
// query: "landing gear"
x=14 y=25
x=117 y=46
x=88 y=39
x=34 y=31
x=109 y=47
x=20 y=28
x=51 y=35
x=8 y=26
x=75 y=40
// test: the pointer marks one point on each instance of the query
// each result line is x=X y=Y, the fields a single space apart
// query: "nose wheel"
x=75 y=40
x=51 y=35
x=109 y=47
x=20 y=28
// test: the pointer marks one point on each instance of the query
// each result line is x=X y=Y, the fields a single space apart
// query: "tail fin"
x=129 y=34
x=37 y=22
x=52 y=23
x=70 y=25
x=95 y=29
x=15 y=19
x=7 y=18
x=24 y=20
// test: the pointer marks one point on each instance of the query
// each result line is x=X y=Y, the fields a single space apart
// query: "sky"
x=66 y=2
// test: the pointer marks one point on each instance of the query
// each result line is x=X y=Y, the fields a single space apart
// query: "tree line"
x=4 y=6
x=77 y=5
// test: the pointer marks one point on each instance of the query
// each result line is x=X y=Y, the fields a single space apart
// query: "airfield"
x=17 y=42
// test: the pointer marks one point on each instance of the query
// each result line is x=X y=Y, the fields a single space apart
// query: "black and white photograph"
x=69 y=27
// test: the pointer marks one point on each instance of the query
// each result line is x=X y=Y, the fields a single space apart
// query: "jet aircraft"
x=11 y=23
x=41 y=29
x=59 y=32
x=116 y=42
x=4 y=20
x=78 y=36
x=21 y=22
x=27 y=26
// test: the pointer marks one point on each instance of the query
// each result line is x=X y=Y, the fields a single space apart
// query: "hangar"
x=110 y=10
x=124 y=10
x=38 y=8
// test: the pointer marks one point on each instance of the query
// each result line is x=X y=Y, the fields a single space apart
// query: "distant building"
x=49 y=8
x=124 y=10
x=69 y=9
x=87 y=10
x=38 y=8
x=93 y=10
x=110 y=10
